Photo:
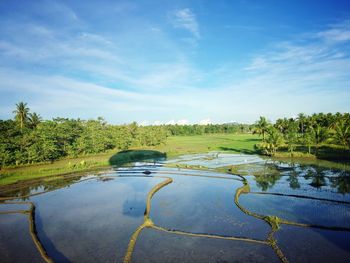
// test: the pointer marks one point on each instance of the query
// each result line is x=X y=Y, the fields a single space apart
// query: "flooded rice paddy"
x=261 y=211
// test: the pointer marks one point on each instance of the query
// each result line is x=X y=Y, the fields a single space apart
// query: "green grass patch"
x=66 y=166
x=329 y=152
x=231 y=143
x=274 y=222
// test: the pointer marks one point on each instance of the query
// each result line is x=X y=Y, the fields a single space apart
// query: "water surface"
x=198 y=216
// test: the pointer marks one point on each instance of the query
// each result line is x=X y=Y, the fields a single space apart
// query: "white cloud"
x=186 y=19
x=172 y=122
x=95 y=38
x=57 y=95
x=97 y=56
x=336 y=33
x=157 y=123
x=183 y=122
x=205 y=122
x=143 y=123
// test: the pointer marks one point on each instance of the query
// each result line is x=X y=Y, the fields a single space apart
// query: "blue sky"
x=175 y=61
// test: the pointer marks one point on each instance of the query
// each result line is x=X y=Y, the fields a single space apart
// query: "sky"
x=162 y=61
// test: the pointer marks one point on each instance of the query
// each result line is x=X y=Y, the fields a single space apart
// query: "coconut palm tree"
x=301 y=120
x=34 y=119
x=274 y=140
x=308 y=139
x=342 y=133
x=291 y=135
x=319 y=135
x=21 y=113
x=261 y=127
x=279 y=125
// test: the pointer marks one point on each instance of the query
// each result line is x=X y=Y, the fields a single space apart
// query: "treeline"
x=197 y=129
x=29 y=139
x=304 y=132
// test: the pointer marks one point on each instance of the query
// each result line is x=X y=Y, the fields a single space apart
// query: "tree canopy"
x=311 y=131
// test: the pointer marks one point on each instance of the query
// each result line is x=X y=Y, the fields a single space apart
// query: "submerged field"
x=259 y=210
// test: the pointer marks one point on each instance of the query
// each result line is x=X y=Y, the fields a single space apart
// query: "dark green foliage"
x=197 y=129
x=316 y=131
x=33 y=120
x=28 y=139
x=272 y=142
x=291 y=135
x=152 y=135
x=9 y=142
x=261 y=127
x=342 y=132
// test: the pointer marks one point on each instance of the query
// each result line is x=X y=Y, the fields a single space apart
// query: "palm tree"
x=342 y=133
x=34 y=119
x=282 y=125
x=261 y=127
x=302 y=120
x=21 y=113
x=319 y=134
x=291 y=135
x=308 y=139
x=274 y=140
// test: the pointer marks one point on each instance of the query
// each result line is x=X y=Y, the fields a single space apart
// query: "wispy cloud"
x=55 y=95
x=138 y=69
x=95 y=55
x=306 y=62
x=186 y=19
x=54 y=10
x=336 y=33
x=303 y=74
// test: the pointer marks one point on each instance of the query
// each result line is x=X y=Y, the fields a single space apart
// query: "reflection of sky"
x=185 y=249
x=134 y=207
x=298 y=209
x=93 y=216
x=99 y=215
x=302 y=244
x=13 y=207
x=215 y=160
x=204 y=205
x=16 y=244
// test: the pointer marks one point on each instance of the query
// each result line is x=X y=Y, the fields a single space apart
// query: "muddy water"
x=183 y=215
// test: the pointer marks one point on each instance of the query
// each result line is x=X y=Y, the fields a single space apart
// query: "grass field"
x=234 y=143
x=60 y=167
